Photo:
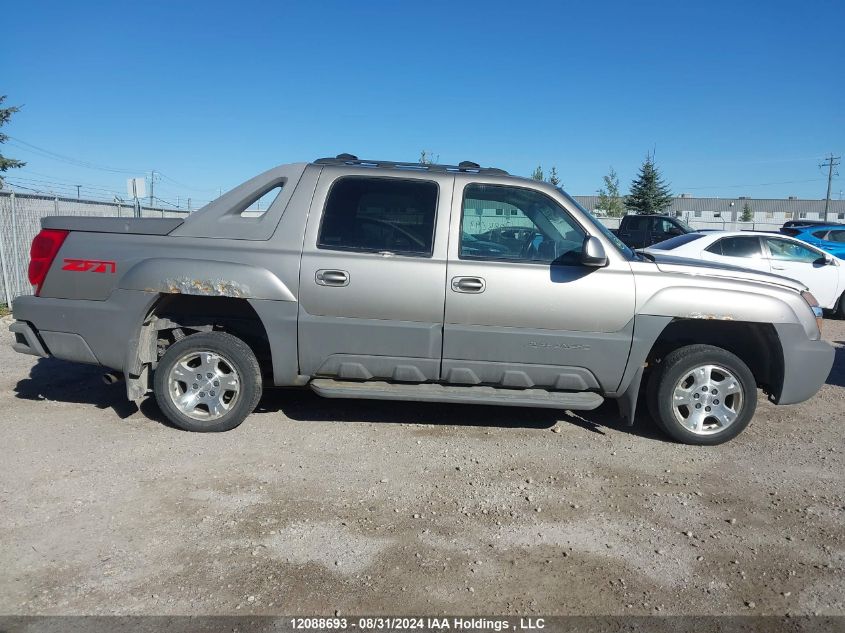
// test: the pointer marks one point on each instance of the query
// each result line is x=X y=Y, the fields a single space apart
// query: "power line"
x=46 y=153
x=51 y=155
x=183 y=185
x=26 y=174
x=63 y=184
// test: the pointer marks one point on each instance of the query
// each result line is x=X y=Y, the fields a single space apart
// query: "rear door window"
x=737 y=247
x=635 y=223
x=380 y=215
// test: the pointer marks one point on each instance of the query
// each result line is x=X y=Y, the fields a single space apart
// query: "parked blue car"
x=830 y=237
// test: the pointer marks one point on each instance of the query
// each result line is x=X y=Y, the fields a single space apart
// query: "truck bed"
x=134 y=226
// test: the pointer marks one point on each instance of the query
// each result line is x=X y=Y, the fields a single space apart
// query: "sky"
x=734 y=98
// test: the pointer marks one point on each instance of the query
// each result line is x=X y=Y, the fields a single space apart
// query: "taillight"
x=42 y=253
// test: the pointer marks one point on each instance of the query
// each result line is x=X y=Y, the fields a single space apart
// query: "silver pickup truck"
x=400 y=281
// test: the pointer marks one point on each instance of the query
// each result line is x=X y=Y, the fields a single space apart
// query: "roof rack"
x=462 y=167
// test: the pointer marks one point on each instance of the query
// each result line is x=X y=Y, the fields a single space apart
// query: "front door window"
x=788 y=251
x=516 y=224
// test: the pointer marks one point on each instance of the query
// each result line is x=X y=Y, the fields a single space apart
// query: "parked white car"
x=822 y=273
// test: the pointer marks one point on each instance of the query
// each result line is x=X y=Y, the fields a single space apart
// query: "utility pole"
x=830 y=162
x=152 y=185
x=77 y=191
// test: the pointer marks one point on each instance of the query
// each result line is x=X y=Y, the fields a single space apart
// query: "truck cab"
x=641 y=231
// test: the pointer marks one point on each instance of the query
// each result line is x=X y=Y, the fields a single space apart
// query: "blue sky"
x=734 y=96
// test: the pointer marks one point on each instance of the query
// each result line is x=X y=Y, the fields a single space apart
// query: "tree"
x=649 y=193
x=610 y=201
x=538 y=173
x=5 y=116
x=428 y=158
x=747 y=213
x=553 y=178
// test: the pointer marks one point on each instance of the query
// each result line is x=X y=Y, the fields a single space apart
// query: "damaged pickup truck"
x=400 y=281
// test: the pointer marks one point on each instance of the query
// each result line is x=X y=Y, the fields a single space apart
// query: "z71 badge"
x=89 y=266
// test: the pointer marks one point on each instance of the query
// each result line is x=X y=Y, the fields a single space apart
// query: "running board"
x=429 y=392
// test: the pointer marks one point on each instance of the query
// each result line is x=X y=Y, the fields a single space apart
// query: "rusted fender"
x=205 y=278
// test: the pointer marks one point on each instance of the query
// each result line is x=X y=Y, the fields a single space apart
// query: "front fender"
x=207 y=278
x=731 y=304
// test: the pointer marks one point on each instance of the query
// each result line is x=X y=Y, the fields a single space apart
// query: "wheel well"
x=175 y=316
x=756 y=344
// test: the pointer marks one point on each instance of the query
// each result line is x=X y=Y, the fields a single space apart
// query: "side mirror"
x=675 y=230
x=593 y=253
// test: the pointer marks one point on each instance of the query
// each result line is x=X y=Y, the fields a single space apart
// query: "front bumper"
x=806 y=364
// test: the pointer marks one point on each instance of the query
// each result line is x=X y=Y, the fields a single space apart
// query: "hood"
x=688 y=266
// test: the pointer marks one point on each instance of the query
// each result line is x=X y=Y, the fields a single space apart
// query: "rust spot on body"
x=206 y=287
x=710 y=317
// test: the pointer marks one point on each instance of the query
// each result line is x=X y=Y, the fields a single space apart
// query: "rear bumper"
x=26 y=339
x=95 y=332
x=806 y=364
x=65 y=345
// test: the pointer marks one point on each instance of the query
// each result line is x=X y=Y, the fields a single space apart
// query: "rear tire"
x=702 y=395
x=208 y=382
x=840 y=307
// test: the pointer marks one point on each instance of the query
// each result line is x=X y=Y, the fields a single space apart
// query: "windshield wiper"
x=647 y=256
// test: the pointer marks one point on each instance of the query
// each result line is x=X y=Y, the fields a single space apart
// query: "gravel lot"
x=317 y=506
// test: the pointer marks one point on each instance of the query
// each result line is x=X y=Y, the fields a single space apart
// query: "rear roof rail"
x=462 y=167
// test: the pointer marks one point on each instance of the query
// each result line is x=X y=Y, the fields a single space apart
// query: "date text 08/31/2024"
x=418 y=623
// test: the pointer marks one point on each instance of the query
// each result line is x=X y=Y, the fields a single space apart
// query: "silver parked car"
x=398 y=281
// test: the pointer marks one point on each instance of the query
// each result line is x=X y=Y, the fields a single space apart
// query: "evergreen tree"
x=747 y=213
x=538 y=173
x=610 y=201
x=5 y=116
x=649 y=193
x=428 y=158
x=553 y=178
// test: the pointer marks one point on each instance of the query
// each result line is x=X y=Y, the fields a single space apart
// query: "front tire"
x=701 y=394
x=208 y=382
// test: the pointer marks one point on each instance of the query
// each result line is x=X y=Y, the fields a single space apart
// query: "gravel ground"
x=317 y=506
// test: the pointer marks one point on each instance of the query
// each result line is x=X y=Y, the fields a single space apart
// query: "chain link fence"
x=20 y=221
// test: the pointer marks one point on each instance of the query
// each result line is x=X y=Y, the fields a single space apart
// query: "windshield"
x=619 y=244
x=684 y=225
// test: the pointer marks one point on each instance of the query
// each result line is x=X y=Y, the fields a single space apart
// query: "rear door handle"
x=325 y=277
x=468 y=284
x=778 y=268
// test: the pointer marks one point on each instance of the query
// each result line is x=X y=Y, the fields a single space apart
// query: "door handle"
x=332 y=278
x=778 y=268
x=468 y=284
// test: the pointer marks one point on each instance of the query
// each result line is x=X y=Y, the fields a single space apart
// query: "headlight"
x=814 y=306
